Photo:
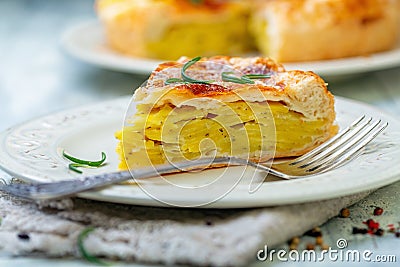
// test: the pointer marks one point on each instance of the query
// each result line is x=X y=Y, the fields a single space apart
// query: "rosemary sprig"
x=83 y=163
x=226 y=77
x=74 y=167
x=257 y=76
x=174 y=80
x=86 y=255
x=86 y=162
x=245 y=79
x=185 y=77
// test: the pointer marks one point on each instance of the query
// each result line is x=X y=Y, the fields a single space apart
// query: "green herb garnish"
x=257 y=76
x=245 y=79
x=83 y=163
x=226 y=77
x=86 y=255
x=174 y=80
x=74 y=167
x=185 y=77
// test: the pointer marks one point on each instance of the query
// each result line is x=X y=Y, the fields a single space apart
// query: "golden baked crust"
x=298 y=30
x=303 y=91
x=289 y=112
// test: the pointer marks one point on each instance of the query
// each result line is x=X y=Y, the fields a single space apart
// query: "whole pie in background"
x=285 y=30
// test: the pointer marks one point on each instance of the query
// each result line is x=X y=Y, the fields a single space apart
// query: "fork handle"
x=41 y=191
x=148 y=172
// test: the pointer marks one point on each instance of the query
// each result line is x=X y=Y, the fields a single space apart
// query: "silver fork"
x=335 y=152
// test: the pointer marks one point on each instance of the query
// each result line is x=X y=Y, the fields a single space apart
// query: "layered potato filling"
x=256 y=130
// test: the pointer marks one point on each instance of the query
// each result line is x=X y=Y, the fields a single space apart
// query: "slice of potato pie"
x=225 y=106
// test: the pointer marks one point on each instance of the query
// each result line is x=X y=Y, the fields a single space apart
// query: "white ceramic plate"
x=86 y=41
x=32 y=152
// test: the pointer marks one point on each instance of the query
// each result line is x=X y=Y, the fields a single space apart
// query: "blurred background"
x=38 y=77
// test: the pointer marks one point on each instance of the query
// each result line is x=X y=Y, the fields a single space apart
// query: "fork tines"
x=344 y=146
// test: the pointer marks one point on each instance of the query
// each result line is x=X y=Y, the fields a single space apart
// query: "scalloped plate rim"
x=237 y=198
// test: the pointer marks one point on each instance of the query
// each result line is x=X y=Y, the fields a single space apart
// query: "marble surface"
x=37 y=77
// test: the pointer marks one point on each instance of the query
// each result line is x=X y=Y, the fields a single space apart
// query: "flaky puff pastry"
x=301 y=30
x=280 y=114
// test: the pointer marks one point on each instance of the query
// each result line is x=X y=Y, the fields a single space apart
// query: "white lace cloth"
x=156 y=235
